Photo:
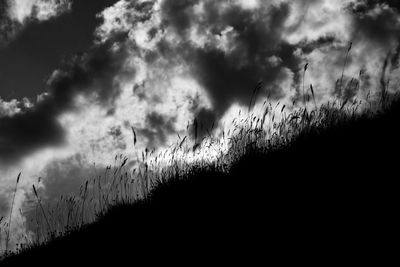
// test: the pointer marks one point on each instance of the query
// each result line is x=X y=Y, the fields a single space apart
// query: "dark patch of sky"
x=27 y=61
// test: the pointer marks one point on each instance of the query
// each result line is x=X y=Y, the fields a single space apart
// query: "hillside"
x=328 y=197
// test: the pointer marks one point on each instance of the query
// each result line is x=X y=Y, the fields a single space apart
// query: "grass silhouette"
x=320 y=188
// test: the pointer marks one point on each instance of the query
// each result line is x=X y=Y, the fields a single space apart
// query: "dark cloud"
x=35 y=48
x=60 y=178
x=86 y=74
x=205 y=120
x=28 y=131
x=4 y=205
x=346 y=89
x=8 y=27
x=325 y=41
x=158 y=128
x=371 y=3
x=374 y=22
x=258 y=52
x=178 y=14
x=118 y=139
x=65 y=177
x=377 y=24
x=204 y=124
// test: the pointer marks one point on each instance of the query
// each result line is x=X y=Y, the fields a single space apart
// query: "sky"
x=76 y=75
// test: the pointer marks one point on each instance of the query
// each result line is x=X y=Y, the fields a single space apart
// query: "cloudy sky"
x=76 y=75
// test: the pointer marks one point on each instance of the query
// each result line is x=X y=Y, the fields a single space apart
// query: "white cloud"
x=310 y=21
x=16 y=14
x=21 y=10
x=14 y=106
x=248 y=4
x=9 y=108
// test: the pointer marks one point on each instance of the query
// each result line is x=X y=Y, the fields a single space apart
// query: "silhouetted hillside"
x=329 y=197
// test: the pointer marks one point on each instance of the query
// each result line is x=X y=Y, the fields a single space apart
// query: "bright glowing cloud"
x=21 y=10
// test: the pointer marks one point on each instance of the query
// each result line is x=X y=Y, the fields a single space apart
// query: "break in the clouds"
x=156 y=65
x=14 y=14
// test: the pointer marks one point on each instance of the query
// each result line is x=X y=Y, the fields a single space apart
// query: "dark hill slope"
x=330 y=197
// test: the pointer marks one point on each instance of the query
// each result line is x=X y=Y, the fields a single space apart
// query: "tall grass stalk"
x=304 y=76
x=11 y=211
x=313 y=95
x=344 y=65
x=41 y=207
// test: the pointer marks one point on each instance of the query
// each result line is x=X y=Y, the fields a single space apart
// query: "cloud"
x=22 y=10
x=4 y=205
x=323 y=31
x=8 y=27
x=26 y=131
x=9 y=108
x=238 y=48
x=30 y=128
x=227 y=47
x=158 y=127
x=15 y=14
